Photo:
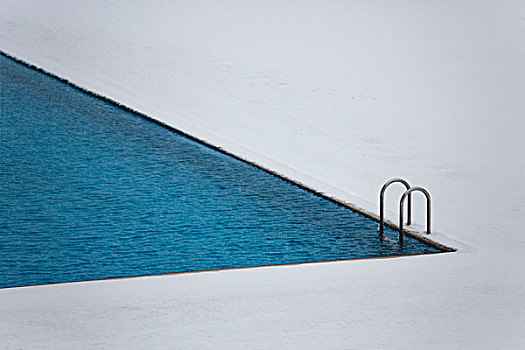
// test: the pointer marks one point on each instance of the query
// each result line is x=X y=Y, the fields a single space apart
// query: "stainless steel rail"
x=382 y=203
x=401 y=202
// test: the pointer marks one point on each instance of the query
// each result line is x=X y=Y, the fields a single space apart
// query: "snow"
x=340 y=96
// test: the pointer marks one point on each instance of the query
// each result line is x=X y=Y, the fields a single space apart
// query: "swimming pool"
x=92 y=191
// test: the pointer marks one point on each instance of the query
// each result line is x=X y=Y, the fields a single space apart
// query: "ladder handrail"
x=382 y=203
x=401 y=202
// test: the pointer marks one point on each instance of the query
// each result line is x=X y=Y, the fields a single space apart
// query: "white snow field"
x=341 y=96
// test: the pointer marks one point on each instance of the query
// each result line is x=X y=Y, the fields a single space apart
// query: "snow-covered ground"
x=340 y=96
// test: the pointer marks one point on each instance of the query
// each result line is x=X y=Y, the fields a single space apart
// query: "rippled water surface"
x=90 y=191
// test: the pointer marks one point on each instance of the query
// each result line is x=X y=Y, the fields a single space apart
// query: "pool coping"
x=171 y=274
x=411 y=233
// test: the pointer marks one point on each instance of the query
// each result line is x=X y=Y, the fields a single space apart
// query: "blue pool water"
x=91 y=191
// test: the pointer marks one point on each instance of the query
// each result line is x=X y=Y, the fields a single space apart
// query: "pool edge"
x=173 y=274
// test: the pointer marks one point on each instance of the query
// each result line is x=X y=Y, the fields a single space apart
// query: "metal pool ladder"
x=407 y=193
